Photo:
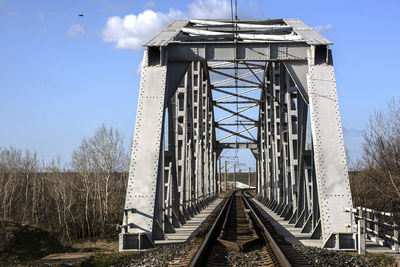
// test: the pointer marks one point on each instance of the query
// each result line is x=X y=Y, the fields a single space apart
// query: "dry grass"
x=96 y=246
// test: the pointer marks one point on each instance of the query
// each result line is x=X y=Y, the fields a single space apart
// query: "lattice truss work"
x=210 y=85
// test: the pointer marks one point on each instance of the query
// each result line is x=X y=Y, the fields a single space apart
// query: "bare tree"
x=379 y=179
x=79 y=200
x=97 y=160
x=108 y=156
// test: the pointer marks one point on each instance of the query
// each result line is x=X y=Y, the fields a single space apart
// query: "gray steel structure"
x=288 y=66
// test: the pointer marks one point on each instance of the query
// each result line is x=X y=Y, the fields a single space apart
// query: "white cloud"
x=211 y=9
x=76 y=30
x=324 y=28
x=132 y=31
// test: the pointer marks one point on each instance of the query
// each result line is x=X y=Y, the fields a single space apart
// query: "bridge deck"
x=190 y=229
x=290 y=233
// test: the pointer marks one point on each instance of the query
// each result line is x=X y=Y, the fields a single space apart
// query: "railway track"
x=239 y=228
x=238 y=235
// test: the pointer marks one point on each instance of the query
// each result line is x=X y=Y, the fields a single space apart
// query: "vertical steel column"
x=292 y=141
x=261 y=160
x=191 y=196
x=277 y=132
x=182 y=138
x=285 y=170
x=269 y=138
x=274 y=136
x=330 y=157
x=206 y=146
x=141 y=223
x=214 y=154
x=172 y=212
x=198 y=131
x=299 y=213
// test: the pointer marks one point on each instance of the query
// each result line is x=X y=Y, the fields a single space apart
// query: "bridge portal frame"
x=309 y=186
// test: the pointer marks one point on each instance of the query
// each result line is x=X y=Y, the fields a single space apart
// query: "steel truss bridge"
x=210 y=85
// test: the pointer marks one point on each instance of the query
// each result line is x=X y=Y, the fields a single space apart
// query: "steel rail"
x=200 y=259
x=212 y=233
x=267 y=236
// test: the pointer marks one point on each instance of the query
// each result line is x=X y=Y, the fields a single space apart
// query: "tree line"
x=81 y=199
x=375 y=181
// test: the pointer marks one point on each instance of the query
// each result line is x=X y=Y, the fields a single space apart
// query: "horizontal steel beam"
x=238 y=94
x=230 y=29
x=236 y=123
x=283 y=51
x=233 y=113
x=233 y=133
x=233 y=77
x=236 y=102
x=236 y=145
x=250 y=21
x=232 y=68
x=240 y=24
x=234 y=94
x=238 y=86
x=253 y=36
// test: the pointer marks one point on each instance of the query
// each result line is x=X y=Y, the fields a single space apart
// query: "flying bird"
x=80 y=15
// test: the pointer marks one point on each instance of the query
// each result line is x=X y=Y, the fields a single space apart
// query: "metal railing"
x=381 y=227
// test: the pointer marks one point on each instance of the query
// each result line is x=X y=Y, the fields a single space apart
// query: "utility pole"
x=248 y=182
x=219 y=176
x=226 y=178
x=234 y=175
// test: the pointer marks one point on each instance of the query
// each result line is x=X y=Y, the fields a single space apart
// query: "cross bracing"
x=248 y=84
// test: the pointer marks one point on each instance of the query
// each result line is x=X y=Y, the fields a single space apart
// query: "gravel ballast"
x=325 y=257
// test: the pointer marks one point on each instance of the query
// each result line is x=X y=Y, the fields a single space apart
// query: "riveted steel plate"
x=330 y=157
x=145 y=156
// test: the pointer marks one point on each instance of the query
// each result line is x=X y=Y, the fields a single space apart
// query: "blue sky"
x=63 y=75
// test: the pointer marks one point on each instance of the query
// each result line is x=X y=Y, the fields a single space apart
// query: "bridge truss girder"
x=306 y=184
